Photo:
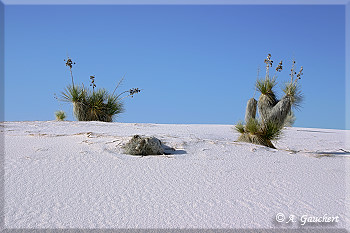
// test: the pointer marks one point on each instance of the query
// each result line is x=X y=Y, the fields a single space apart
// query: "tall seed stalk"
x=70 y=64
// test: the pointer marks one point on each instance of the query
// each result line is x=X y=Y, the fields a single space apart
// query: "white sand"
x=74 y=175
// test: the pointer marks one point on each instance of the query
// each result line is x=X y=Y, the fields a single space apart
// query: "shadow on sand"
x=171 y=151
x=313 y=131
x=343 y=153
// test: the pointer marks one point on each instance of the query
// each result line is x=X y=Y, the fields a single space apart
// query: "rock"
x=144 y=146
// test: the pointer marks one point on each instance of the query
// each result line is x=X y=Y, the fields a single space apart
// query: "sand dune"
x=75 y=175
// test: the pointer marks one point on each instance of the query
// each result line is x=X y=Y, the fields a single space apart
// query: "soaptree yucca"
x=274 y=114
x=95 y=105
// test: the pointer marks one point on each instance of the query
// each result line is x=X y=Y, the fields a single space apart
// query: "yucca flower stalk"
x=292 y=89
x=92 y=77
x=131 y=92
x=268 y=63
x=70 y=64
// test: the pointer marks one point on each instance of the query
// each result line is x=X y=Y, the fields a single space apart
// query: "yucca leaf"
x=252 y=126
x=240 y=127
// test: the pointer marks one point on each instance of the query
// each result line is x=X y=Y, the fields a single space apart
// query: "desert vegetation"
x=96 y=104
x=274 y=114
x=60 y=115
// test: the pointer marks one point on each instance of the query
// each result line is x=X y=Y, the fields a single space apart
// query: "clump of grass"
x=252 y=126
x=240 y=127
x=274 y=114
x=60 y=115
x=95 y=105
x=260 y=133
x=271 y=131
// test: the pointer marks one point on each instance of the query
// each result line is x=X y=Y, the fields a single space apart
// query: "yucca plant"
x=60 y=115
x=274 y=114
x=95 y=105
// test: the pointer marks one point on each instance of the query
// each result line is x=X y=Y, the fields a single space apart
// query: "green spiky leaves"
x=60 y=115
x=292 y=90
x=240 y=127
x=266 y=85
x=73 y=94
x=271 y=131
x=252 y=126
x=260 y=133
x=266 y=88
x=93 y=106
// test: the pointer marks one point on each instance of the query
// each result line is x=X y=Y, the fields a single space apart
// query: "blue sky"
x=194 y=64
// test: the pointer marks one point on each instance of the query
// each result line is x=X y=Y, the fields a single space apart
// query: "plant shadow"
x=313 y=131
x=171 y=151
x=320 y=154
